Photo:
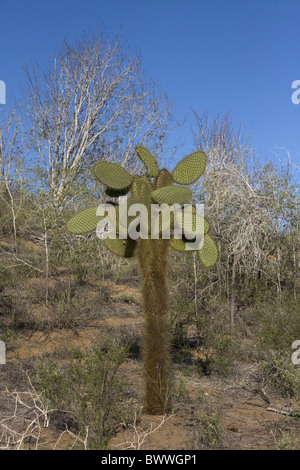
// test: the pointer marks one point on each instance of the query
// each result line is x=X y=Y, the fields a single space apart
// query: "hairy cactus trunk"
x=156 y=347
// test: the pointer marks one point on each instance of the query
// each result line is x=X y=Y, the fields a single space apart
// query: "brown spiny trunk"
x=153 y=256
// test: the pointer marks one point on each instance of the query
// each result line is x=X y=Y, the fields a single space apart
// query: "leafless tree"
x=92 y=102
x=232 y=193
x=12 y=156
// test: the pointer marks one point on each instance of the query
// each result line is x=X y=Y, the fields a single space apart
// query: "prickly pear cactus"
x=154 y=187
x=190 y=168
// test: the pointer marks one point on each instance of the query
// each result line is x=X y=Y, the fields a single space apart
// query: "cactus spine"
x=155 y=187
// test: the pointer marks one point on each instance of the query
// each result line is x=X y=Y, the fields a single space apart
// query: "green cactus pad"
x=188 y=219
x=138 y=182
x=117 y=192
x=183 y=244
x=164 y=179
x=178 y=244
x=208 y=254
x=112 y=175
x=146 y=181
x=125 y=248
x=190 y=168
x=85 y=221
x=145 y=196
x=149 y=161
x=172 y=195
x=136 y=185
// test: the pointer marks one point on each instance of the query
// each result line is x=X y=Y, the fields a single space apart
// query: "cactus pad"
x=149 y=161
x=112 y=175
x=136 y=186
x=178 y=244
x=188 y=219
x=84 y=221
x=124 y=248
x=183 y=244
x=208 y=254
x=164 y=179
x=117 y=192
x=138 y=182
x=172 y=195
x=190 y=168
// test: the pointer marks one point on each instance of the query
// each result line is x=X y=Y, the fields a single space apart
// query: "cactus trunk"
x=153 y=256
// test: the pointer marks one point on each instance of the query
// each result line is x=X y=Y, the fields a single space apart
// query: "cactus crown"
x=163 y=190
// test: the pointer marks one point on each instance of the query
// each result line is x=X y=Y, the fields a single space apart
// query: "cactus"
x=124 y=248
x=190 y=168
x=172 y=195
x=112 y=175
x=154 y=187
x=85 y=221
x=149 y=161
x=164 y=178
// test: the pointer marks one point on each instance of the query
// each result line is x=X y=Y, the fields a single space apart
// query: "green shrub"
x=287 y=441
x=89 y=390
x=180 y=390
x=219 y=349
x=282 y=375
x=66 y=309
x=208 y=431
x=278 y=327
x=182 y=315
x=9 y=338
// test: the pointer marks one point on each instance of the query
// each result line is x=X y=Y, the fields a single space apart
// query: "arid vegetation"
x=71 y=312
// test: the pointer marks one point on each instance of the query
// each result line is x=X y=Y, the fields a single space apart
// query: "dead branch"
x=294 y=414
x=139 y=435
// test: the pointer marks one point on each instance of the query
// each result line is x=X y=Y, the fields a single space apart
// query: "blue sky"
x=235 y=56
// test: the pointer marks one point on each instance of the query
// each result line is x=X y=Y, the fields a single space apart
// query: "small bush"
x=66 y=309
x=9 y=338
x=283 y=376
x=180 y=390
x=278 y=327
x=219 y=349
x=89 y=390
x=287 y=441
x=208 y=431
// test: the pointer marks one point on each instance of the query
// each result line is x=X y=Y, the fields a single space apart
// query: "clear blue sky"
x=221 y=55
